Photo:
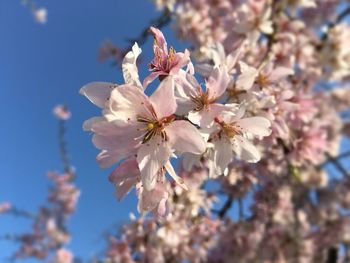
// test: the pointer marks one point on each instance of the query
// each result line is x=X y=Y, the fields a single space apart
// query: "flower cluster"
x=180 y=119
x=49 y=233
x=261 y=113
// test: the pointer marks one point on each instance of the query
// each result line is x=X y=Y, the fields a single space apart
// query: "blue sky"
x=44 y=65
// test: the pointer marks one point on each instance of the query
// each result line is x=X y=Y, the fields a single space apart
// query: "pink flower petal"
x=98 y=92
x=125 y=177
x=245 y=150
x=184 y=137
x=159 y=40
x=150 y=78
x=257 y=126
x=163 y=99
x=127 y=102
x=151 y=157
x=217 y=83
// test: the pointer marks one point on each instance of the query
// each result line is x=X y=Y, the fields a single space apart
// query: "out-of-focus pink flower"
x=119 y=251
x=108 y=50
x=63 y=256
x=165 y=62
x=62 y=112
x=311 y=145
x=5 y=207
x=270 y=75
x=40 y=15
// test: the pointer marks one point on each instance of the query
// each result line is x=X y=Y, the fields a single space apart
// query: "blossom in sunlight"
x=40 y=15
x=235 y=134
x=165 y=62
x=5 y=207
x=62 y=112
x=134 y=124
x=202 y=105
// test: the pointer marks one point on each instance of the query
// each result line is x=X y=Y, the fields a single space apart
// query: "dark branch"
x=222 y=212
x=63 y=147
x=158 y=22
x=332 y=256
x=22 y=213
x=339 y=18
x=338 y=165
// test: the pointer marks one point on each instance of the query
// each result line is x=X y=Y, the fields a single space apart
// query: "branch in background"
x=240 y=209
x=110 y=51
x=332 y=256
x=10 y=237
x=158 y=22
x=63 y=114
x=63 y=147
x=336 y=158
x=339 y=18
x=338 y=165
x=222 y=212
x=39 y=14
x=277 y=8
x=22 y=213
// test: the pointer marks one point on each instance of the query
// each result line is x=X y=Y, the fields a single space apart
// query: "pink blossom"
x=63 y=256
x=5 y=207
x=40 y=15
x=234 y=134
x=62 y=112
x=134 y=124
x=164 y=62
x=202 y=105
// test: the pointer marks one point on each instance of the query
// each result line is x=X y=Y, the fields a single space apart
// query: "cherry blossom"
x=165 y=62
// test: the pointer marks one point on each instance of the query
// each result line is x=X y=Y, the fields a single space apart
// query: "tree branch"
x=222 y=212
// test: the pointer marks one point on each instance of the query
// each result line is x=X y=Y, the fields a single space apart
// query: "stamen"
x=150 y=126
x=201 y=99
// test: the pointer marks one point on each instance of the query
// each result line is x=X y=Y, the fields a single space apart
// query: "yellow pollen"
x=262 y=80
x=150 y=126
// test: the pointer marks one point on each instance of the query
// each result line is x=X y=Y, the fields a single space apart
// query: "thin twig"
x=22 y=213
x=159 y=22
x=338 y=165
x=339 y=18
x=63 y=147
x=240 y=209
x=222 y=212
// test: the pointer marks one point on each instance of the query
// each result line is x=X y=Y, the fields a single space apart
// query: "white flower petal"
x=177 y=179
x=127 y=102
x=217 y=82
x=245 y=150
x=222 y=155
x=151 y=157
x=163 y=99
x=184 y=137
x=258 y=126
x=98 y=92
x=246 y=79
x=129 y=67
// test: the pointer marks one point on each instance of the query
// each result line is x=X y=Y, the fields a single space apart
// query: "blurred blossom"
x=5 y=207
x=62 y=112
x=40 y=15
x=63 y=256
